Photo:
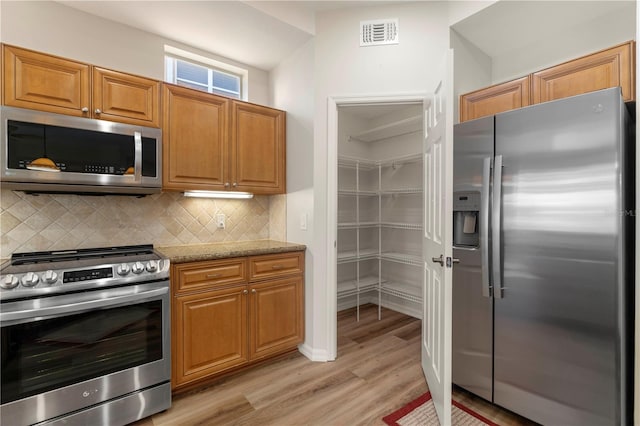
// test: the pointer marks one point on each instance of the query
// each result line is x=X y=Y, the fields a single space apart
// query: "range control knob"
x=123 y=269
x=9 y=281
x=137 y=268
x=50 y=277
x=152 y=266
x=30 y=279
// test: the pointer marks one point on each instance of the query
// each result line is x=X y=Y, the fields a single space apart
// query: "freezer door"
x=472 y=306
x=557 y=327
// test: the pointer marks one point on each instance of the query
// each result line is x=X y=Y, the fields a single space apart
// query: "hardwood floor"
x=377 y=371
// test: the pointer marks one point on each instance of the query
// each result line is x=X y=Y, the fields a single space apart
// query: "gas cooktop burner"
x=42 y=273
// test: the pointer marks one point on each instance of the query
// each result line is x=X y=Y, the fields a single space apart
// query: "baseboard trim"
x=316 y=355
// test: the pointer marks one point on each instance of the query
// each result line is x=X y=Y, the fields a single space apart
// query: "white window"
x=204 y=74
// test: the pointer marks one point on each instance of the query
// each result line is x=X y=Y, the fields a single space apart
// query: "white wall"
x=292 y=90
x=471 y=70
x=564 y=44
x=53 y=28
x=343 y=68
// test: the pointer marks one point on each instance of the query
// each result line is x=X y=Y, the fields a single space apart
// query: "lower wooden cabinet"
x=210 y=333
x=221 y=323
x=276 y=321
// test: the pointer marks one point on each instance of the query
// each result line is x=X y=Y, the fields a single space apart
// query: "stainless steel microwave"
x=47 y=152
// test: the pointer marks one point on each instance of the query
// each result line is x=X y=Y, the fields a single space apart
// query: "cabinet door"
x=125 y=98
x=492 y=100
x=46 y=83
x=608 y=68
x=195 y=147
x=276 y=318
x=257 y=149
x=210 y=333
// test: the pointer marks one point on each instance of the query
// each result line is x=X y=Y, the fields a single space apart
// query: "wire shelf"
x=402 y=225
x=404 y=291
x=406 y=259
x=364 y=285
x=401 y=191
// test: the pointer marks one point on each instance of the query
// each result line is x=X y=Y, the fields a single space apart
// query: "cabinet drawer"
x=268 y=266
x=198 y=275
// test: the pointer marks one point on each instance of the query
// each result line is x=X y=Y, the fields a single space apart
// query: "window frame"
x=173 y=55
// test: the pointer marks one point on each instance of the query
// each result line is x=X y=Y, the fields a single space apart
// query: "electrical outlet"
x=221 y=220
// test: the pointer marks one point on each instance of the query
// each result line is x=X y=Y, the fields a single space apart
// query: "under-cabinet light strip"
x=218 y=194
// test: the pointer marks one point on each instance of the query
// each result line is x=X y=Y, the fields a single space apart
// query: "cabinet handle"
x=97 y=111
x=245 y=292
x=85 y=109
x=214 y=275
x=277 y=267
x=253 y=290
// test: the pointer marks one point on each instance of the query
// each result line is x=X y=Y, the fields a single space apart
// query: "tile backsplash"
x=66 y=221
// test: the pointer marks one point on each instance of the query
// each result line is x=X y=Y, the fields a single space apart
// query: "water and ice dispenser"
x=466 y=210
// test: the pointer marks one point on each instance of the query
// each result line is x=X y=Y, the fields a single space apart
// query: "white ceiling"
x=508 y=25
x=256 y=33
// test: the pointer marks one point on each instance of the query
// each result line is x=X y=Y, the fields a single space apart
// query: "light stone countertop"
x=211 y=251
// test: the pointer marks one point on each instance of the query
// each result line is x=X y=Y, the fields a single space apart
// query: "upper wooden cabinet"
x=607 y=68
x=492 y=100
x=257 y=148
x=601 y=70
x=48 y=83
x=215 y=143
x=125 y=98
x=195 y=148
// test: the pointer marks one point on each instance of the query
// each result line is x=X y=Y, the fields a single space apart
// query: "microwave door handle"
x=65 y=309
x=137 y=162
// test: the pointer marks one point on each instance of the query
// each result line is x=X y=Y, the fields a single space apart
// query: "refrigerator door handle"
x=484 y=227
x=496 y=223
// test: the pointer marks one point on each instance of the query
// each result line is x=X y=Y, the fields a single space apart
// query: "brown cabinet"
x=195 y=134
x=492 y=100
x=48 y=83
x=601 y=70
x=210 y=333
x=224 y=317
x=607 y=68
x=214 y=143
x=257 y=149
x=275 y=312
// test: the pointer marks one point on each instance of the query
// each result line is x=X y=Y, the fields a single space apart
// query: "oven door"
x=67 y=352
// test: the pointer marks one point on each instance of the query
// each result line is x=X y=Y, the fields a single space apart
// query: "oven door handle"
x=78 y=306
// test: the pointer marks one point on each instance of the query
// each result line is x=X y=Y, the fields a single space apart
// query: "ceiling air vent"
x=381 y=31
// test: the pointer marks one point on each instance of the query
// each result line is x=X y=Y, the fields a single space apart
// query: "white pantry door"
x=437 y=241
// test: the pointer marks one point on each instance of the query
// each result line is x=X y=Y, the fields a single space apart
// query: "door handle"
x=439 y=260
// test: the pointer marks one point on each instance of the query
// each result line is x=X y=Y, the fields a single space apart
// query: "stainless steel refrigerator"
x=543 y=227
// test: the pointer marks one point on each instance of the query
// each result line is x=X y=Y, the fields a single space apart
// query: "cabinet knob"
x=253 y=290
x=226 y=184
x=245 y=292
x=235 y=184
x=97 y=111
x=85 y=109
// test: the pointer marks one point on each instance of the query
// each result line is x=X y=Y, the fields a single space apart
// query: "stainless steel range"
x=85 y=336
